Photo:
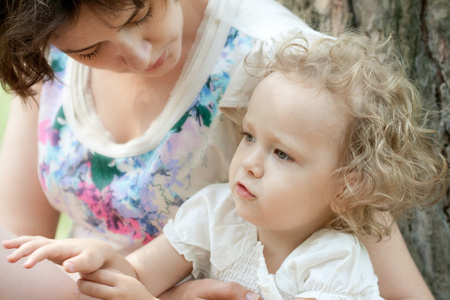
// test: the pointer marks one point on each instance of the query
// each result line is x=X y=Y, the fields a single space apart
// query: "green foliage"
x=4 y=109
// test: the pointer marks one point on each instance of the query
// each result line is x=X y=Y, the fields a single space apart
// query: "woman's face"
x=147 y=40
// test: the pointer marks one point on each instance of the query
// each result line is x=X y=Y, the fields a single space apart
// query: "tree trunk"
x=421 y=29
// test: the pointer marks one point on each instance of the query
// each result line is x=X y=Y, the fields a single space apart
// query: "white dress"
x=328 y=265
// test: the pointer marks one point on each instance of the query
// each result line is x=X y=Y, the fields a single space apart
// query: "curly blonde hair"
x=390 y=161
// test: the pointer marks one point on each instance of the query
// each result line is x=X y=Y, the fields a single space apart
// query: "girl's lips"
x=159 y=62
x=242 y=191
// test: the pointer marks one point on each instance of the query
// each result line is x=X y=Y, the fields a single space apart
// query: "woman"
x=134 y=127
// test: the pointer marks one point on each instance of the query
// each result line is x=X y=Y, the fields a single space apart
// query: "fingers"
x=26 y=246
x=93 y=290
x=111 y=284
x=17 y=242
x=75 y=255
x=81 y=296
x=218 y=290
x=211 y=290
x=82 y=261
x=107 y=277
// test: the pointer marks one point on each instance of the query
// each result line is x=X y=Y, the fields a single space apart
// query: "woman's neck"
x=193 y=13
x=145 y=97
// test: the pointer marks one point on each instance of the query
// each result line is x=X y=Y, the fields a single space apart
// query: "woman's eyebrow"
x=134 y=14
x=68 y=51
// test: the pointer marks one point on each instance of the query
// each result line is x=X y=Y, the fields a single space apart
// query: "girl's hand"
x=209 y=289
x=111 y=284
x=75 y=255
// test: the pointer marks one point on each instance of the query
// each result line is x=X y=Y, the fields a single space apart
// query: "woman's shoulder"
x=266 y=23
x=52 y=91
x=57 y=60
x=266 y=19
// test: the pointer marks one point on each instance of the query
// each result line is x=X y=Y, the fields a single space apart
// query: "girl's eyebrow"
x=134 y=14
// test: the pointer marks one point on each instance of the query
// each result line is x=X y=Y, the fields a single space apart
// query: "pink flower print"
x=47 y=133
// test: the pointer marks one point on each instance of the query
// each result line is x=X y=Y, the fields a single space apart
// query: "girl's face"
x=146 y=40
x=281 y=174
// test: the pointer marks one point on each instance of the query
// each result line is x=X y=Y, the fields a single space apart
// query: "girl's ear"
x=338 y=203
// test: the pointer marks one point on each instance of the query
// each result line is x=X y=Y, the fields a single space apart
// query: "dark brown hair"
x=26 y=30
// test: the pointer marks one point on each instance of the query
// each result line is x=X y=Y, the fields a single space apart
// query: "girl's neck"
x=279 y=245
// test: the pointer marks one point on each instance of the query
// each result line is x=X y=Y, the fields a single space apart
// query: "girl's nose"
x=135 y=51
x=253 y=164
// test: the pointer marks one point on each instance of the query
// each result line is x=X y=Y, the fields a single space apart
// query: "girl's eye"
x=282 y=155
x=92 y=54
x=248 y=137
x=145 y=19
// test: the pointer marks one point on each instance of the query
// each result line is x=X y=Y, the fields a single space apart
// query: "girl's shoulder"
x=210 y=204
x=327 y=246
x=208 y=221
x=324 y=266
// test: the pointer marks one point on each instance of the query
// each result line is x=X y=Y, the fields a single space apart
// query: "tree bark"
x=421 y=29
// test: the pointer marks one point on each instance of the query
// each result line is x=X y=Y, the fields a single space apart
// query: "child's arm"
x=157 y=265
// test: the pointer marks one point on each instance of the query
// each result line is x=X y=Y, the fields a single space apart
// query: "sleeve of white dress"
x=194 y=229
x=332 y=265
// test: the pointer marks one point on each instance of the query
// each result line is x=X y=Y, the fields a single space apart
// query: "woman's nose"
x=253 y=164
x=135 y=51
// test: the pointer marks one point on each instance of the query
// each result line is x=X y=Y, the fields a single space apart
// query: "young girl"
x=331 y=145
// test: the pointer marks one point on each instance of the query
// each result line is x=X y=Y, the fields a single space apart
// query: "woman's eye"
x=282 y=155
x=92 y=54
x=145 y=19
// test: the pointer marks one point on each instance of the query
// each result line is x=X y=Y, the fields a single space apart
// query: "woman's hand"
x=209 y=289
x=111 y=284
x=75 y=255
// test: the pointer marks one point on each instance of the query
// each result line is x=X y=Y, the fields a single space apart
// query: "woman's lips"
x=159 y=62
x=242 y=191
